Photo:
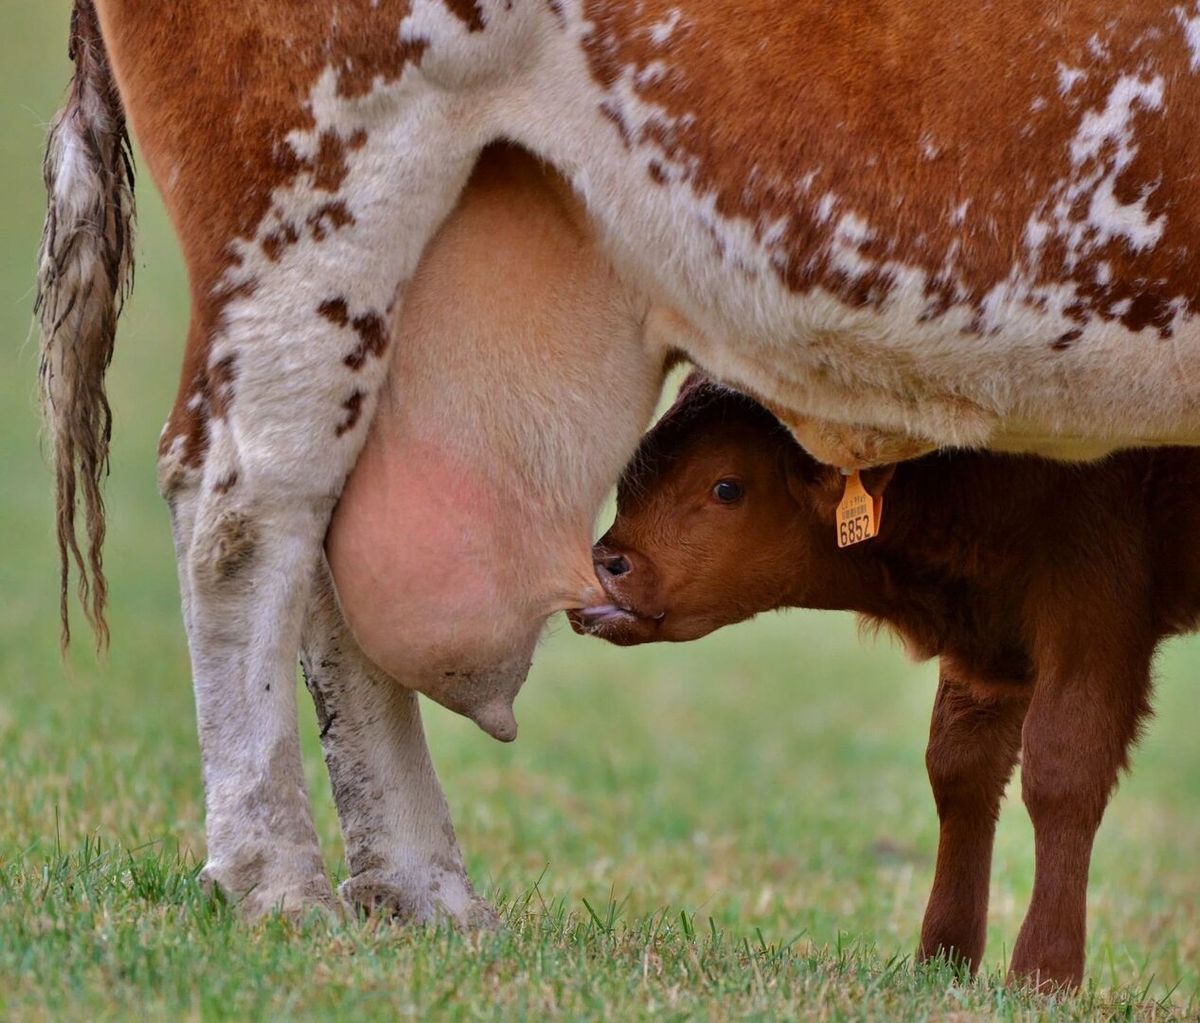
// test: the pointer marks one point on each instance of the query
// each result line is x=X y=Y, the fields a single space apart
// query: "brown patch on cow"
x=1065 y=341
x=204 y=395
x=927 y=125
x=468 y=12
x=220 y=386
x=226 y=483
x=329 y=168
x=371 y=328
x=333 y=216
x=274 y=243
x=373 y=337
x=335 y=311
x=657 y=172
x=353 y=408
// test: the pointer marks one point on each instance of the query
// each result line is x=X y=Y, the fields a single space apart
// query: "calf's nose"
x=613 y=564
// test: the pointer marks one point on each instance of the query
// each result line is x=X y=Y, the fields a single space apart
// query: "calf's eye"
x=727 y=491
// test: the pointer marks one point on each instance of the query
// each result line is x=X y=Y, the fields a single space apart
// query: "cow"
x=1043 y=589
x=903 y=224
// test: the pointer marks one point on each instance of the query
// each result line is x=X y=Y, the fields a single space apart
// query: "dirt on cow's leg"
x=974 y=742
x=401 y=848
x=1078 y=730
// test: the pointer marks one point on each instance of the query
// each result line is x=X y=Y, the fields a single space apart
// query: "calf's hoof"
x=297 y=899
x=430 y=896
x=1047 y=959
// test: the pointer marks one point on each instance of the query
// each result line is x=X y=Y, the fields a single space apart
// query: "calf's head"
x=720 y=516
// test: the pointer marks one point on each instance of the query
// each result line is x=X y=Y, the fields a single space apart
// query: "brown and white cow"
x=922 y=222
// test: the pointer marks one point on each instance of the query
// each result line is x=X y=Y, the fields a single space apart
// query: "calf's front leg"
x=401 y=848
x=974 y=741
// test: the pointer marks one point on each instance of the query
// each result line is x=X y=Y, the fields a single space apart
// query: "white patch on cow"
x=774 y=232
x=1098 y=48
x=845 y=250
x=1101 y=151
x=825 y=207
x=1069 y=77
x=1037 y=231
x=653 y=72
x=1190 y=23
x=661 y=31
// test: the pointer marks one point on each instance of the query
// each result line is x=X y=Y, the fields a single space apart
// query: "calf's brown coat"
x=1042 y=588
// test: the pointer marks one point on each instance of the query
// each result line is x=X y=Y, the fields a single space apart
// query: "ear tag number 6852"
x=858 y=513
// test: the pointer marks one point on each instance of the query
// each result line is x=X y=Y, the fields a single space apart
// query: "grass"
x=736 y=828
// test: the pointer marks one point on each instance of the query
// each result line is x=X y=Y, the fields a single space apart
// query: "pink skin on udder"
x=413 y=547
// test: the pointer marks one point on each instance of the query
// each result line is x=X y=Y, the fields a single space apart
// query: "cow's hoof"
x=296 y=900
x=429 y=897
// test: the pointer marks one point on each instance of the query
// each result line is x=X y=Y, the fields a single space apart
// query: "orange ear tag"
x=858 y=513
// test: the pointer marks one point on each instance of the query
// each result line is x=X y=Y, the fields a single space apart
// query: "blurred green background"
x=768 y=777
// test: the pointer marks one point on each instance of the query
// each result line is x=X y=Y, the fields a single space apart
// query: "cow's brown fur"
x=880 y=81
x=1044 y=589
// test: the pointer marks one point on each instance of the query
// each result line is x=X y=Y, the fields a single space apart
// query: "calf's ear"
x=810 y=483
x=815 y=485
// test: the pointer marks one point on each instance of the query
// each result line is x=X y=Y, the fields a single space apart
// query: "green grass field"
x=736 y=828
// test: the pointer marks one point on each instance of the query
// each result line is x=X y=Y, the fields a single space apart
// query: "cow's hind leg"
x=298 y=353
x=262 y=846
x=239 y=606
x=401 y=849
x=974 y=741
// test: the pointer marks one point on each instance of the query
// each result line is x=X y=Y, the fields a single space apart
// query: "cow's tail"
x=85 y=271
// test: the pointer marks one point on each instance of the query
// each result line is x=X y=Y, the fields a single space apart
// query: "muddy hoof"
x=432 y=897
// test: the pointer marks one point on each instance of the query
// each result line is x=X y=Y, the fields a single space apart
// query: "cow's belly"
x=1008 y=392
x=890 y=373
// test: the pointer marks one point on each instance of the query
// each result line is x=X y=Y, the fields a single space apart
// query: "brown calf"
x=1043 y=588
